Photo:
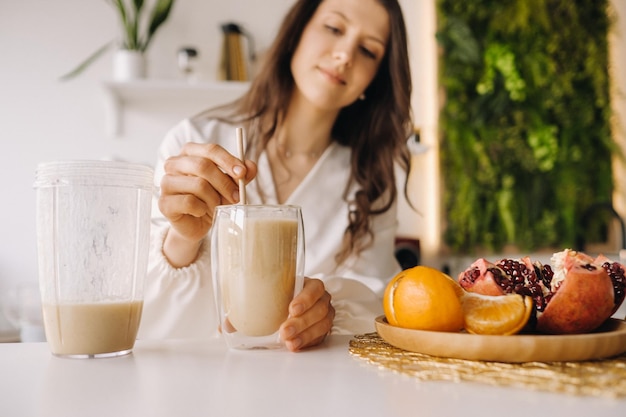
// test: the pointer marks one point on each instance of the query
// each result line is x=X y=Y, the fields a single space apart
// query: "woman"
x=327 y=119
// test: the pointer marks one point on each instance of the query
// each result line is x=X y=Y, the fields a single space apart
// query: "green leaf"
x=83 y=65
x=159 y=15
x=138 y=5
x=134 y=25
x=129 y=39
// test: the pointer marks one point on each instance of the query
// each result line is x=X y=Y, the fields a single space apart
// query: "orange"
x=459 y=291
x=423 y=298
x=496 y=314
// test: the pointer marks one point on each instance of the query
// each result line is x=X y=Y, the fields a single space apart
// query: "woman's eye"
x=332 y=29
x=367 y=52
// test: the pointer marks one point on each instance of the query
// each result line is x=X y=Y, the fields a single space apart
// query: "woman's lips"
x=332 y=75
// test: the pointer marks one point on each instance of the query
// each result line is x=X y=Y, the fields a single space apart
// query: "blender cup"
x=93 y=223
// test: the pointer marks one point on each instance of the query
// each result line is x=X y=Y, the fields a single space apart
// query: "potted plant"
x=139 y=24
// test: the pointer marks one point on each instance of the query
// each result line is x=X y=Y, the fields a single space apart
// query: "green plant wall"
x=525 y=123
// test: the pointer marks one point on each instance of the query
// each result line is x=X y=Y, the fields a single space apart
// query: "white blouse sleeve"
x=178 y=302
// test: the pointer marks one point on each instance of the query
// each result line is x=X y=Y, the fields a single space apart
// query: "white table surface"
x=203 y=378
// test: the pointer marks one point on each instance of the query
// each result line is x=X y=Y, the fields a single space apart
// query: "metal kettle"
x=237 y=55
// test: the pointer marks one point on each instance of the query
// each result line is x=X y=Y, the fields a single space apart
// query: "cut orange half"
x=496 y=314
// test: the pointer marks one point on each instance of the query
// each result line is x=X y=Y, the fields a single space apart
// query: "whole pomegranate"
x=574 y=295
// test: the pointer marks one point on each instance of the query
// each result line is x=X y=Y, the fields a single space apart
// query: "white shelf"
x=121 y=94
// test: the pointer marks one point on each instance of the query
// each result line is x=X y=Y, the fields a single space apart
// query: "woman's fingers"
x=217 y=167
x=201 y=177
x=312 y=291
x=311 y=319
x=313 y=332
x=200 y=195
x=251 y=170
x=227 y=162
x=222 y=159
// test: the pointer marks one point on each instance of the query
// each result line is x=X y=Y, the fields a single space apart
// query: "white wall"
x=43 y=119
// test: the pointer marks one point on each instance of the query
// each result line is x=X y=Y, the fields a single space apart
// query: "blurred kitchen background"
x=94 y=116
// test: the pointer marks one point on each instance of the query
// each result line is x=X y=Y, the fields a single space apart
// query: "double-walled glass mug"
x=257 y=258
x=93 y=225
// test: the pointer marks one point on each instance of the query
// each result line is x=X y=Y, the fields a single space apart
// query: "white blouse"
x=179 y=303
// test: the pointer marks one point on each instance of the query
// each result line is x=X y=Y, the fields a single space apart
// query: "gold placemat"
x=606 y=378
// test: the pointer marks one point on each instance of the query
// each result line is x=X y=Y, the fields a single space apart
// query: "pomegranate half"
x=574 y=295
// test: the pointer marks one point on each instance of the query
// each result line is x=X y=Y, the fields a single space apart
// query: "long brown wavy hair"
x=376 y=129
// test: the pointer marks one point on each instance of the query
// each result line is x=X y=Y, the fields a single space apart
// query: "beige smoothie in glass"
x=256 y=260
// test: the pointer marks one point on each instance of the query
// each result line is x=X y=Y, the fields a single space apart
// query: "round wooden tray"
x=609 y=340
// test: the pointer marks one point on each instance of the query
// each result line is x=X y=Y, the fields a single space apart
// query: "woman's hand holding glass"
x=311 y=316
